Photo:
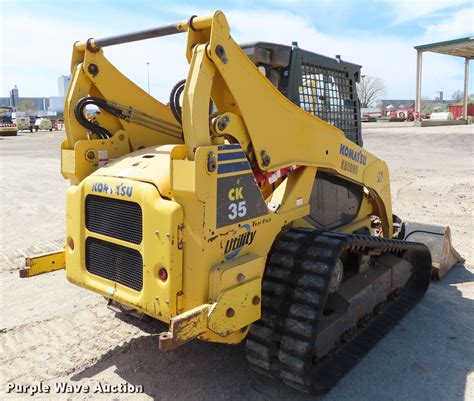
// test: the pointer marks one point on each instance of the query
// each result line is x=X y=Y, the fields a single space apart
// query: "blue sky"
x=37 y=36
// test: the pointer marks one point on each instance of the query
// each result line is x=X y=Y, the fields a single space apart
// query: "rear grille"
x=114 y=262
x=114 y=218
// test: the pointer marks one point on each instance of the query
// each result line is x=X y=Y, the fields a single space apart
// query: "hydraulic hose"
x=174 y=100
x=101 y=132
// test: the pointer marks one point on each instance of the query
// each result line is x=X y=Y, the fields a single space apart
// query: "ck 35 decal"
x=238 y=199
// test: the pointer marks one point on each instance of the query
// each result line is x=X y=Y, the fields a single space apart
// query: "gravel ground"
x=53 y=332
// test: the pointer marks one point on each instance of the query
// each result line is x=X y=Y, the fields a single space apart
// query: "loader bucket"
x=438 y=240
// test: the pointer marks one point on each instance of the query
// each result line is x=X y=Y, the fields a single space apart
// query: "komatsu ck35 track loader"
x=246 y=209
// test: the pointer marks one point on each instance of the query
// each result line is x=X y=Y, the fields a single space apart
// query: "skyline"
x=378 y=35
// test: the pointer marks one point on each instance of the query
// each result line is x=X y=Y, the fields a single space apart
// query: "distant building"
x=439 y=96
x=410 y=103
x=39 y=103
x=56 y=103
x=14 y=97
x=396 y=103
x=63 y=84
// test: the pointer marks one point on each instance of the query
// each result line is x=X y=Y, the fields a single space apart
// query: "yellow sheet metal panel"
x=68 y=163
x=235 y=337
x=89 y=155
x=158 y=248
x=236 y=307
x=229 y=274
x=152 y=164
x=183 y=177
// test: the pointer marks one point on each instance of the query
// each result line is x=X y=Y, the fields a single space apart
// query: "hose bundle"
x=174 y=100
x=101 y=132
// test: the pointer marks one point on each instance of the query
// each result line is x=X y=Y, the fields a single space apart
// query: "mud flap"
x=438 y=240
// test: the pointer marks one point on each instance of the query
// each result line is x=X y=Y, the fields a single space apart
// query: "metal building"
x=463 y=47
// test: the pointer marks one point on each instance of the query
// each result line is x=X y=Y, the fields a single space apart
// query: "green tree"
x=458 y=95
x=26 y=105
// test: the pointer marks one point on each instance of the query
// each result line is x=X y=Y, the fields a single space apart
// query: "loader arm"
x=273 y=131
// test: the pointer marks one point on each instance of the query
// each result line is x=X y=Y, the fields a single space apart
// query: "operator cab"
x=323 y=86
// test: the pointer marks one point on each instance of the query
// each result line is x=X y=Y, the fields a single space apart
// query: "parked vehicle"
x=406 y=114
x=43 y=124
x=370 y=114
x=7 y=127
x=24 y=124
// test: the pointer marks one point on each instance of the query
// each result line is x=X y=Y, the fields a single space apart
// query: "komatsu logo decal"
x=119 y=190
x=239 y=239
x=352 y=154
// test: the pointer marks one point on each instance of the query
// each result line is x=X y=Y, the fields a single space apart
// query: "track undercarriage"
x=310 y=335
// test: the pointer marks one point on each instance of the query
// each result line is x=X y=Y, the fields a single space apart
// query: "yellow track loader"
x=7 y=127
x=245 y=209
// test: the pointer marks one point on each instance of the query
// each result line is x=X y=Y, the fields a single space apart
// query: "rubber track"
x=294 y=292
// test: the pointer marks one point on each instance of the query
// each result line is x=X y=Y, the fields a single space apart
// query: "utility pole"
x=148 y=73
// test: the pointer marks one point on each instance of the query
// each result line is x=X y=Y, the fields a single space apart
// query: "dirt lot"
x=53 y=332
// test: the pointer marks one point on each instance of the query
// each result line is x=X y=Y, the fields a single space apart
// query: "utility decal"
x=238 y=199
x=352 y=154
x=119 y=190
x=240 y=238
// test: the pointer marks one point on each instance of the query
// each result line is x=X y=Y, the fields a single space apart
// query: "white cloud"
x=404 y=11
x=46 y=47
x=38 y=55
x=459 y=25
x=390 y=58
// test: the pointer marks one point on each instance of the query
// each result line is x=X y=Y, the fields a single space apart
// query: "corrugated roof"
x=463 y=47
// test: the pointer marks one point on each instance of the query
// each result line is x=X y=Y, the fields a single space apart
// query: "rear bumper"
x=122 y=240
